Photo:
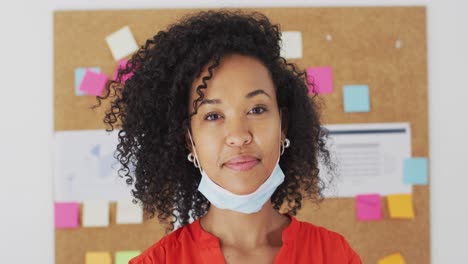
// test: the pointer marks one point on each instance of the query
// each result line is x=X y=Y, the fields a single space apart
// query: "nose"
x=238 y=133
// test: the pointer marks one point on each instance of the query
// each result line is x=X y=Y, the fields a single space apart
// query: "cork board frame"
x=362 y=51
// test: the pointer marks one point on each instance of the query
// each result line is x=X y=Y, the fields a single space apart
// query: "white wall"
x=26 y=222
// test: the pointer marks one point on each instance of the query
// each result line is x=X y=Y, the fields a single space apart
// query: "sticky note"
x=93 y=83
x=122 y=65
x=98 y=257
x=368 y=207
x=66 y=215
x=400 y=206
x=291 y=44
x=79 y=74
x=95 y=213
x=121 y=43
x=128 y=213
x=396 y=258
x=356 y=98
x=123 y=257
x=415 y=171
x=321 y=78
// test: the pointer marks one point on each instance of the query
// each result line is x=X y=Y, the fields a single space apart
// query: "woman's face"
x=236 y=131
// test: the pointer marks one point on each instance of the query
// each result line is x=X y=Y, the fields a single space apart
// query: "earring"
x=192 y=159
x=284 y=145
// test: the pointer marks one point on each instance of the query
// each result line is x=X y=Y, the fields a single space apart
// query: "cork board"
x=362 y=51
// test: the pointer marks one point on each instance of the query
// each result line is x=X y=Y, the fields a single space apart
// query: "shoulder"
x=326 y=241
x=158 y=252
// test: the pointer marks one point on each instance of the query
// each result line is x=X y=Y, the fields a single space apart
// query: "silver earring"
x=284 y=145
x=192 y=159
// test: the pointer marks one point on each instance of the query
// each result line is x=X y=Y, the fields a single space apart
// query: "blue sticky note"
x=415 y=171
x=79 y=74
x=356 y=98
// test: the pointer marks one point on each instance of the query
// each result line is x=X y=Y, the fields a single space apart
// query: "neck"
x=248 y=231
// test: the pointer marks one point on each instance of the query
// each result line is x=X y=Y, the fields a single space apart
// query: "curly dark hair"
x=150 y=109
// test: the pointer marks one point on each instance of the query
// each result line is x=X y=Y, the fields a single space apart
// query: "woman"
x=219 y=128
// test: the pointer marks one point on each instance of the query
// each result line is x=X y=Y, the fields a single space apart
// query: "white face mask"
x=248 y=203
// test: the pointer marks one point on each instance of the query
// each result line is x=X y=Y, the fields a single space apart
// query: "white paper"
x=121 y=43
x=95 y=214
x=369 y=158
x=85 y=169
x=291 y=47
x=128 y=213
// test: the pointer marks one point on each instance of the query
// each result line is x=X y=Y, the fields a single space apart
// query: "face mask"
x=248 y=203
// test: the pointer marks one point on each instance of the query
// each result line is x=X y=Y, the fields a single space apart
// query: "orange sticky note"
x=98 y=257
x=396 y=258
x=400 y=206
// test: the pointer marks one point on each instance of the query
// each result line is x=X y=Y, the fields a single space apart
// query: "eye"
x=211 y=117
x=258 y=110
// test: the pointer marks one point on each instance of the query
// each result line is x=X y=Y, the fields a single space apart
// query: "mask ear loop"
x=196 y=160
x=280 y=143
x=283 y=145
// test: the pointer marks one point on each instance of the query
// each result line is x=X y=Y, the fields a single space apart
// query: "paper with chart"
x=85 y=168
x=369 y=158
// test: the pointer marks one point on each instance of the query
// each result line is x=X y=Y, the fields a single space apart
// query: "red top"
x=302 y=243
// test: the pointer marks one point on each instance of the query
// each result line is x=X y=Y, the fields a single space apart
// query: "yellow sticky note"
x=393 y=259
x=98 y=257
x=400 y=206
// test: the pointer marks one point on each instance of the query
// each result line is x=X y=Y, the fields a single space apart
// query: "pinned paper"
x=367 y=152
x=291 y=47
x=121 y=43
x=95 y=214
x=79 y=74
x=400 y=206
x=93 y=83
x=356 y=98
x=122 y=65
x=396 y=258
x=66 y=215
x=128 y=213
x=86 y=169
x=321 y=78
x=123 y=257
x=415 y=171
x=98 y=257
x=107 y=164
x=368 y=207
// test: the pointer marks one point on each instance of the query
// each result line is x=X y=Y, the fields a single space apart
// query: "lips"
x=242 y=163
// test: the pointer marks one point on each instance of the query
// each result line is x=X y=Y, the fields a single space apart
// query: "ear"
x=284 y=122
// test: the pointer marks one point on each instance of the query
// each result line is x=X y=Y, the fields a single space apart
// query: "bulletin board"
x=360 y=48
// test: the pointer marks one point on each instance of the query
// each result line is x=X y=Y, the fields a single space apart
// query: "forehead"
x=235 y=76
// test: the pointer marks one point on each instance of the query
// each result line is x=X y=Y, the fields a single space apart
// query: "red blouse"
x=302 y=243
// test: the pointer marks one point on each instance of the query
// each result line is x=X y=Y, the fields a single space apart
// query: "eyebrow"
x=247 y=96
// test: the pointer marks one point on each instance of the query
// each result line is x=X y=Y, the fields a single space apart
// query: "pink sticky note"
x=321 y=77
x=122 y=65
x=66 y=215
x=93 y=83
x=368 y=207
